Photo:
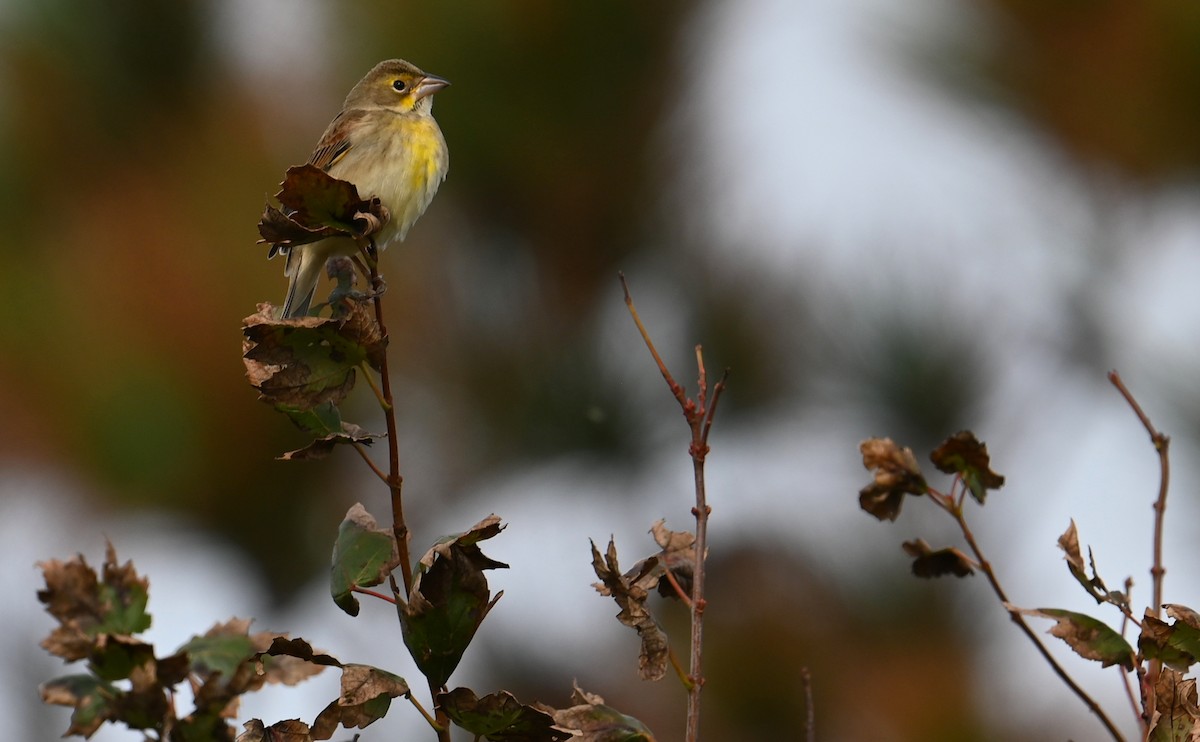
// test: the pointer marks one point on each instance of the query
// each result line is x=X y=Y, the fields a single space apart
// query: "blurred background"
x=887 y=218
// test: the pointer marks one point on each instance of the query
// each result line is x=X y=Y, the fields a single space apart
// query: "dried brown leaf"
x=930 y=563
x=594 y=721
x=896 y=474
x=963 y=454
x=630 y=595
x=1176 y=716
x=292 y=730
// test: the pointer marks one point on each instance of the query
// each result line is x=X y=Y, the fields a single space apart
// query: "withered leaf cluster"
x=99 y=618
x=896 y=474
x=677 y=558
x=306 y=366
x=1170 y=700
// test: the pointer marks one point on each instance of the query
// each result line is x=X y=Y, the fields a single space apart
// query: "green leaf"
x=366 y=695
x=964 y=455
x=320 y=421
x=1177 y=644
x=220 y=653
x=324 y=422
x=91 y=697
x=363 y=555
x=1091 y=638
x=127 y=608
x=449 y=600
x=499 y=717
x=90 y=607
x=299 y=364
x=116 y=657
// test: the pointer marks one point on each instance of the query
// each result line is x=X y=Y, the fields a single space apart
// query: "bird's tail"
x=303 y=269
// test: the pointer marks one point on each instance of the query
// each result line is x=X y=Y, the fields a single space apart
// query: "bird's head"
x=396 y=85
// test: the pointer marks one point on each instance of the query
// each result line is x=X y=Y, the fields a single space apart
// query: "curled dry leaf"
x=288 y=661
x=1069 y=543
x=1183 y=614
x=316 y=206
x=630 y=593
x=966 y=456
x=896 y=474
x=292 y=730
x=677 y=556
x=930 y=563
x=1176 y=715
x=593 y=721
x=91 y=607
x=365 y=697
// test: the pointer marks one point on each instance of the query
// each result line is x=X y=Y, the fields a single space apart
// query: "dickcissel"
x=387 y=144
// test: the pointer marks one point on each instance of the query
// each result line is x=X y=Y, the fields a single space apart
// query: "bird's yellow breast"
x=400 y=158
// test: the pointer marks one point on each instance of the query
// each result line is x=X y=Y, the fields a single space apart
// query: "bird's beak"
x=429 y=85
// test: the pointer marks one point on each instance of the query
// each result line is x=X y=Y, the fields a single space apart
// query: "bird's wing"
x=335 y=142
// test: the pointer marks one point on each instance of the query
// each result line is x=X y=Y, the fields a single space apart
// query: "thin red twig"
x=986 y=567
x=373 y=594
x=699 y=415
x=395 y=481
x=1149 y=677
x=1161 y=444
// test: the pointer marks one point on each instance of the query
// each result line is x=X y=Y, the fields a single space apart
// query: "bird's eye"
x=400 y=86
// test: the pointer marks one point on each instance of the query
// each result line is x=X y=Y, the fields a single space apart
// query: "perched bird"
x=387 y=144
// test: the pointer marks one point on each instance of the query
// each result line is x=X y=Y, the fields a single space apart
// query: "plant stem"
x=362 y=451
x=442 y=721
x=986 y=567
x=696 y=672
x=687 y=599
x=374 y=594
x=676 y=389
x=1161 y=443
x=1157 y=570
x=1126 y=683
x=699 y=415
x=395 y=482
x=421 y=710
